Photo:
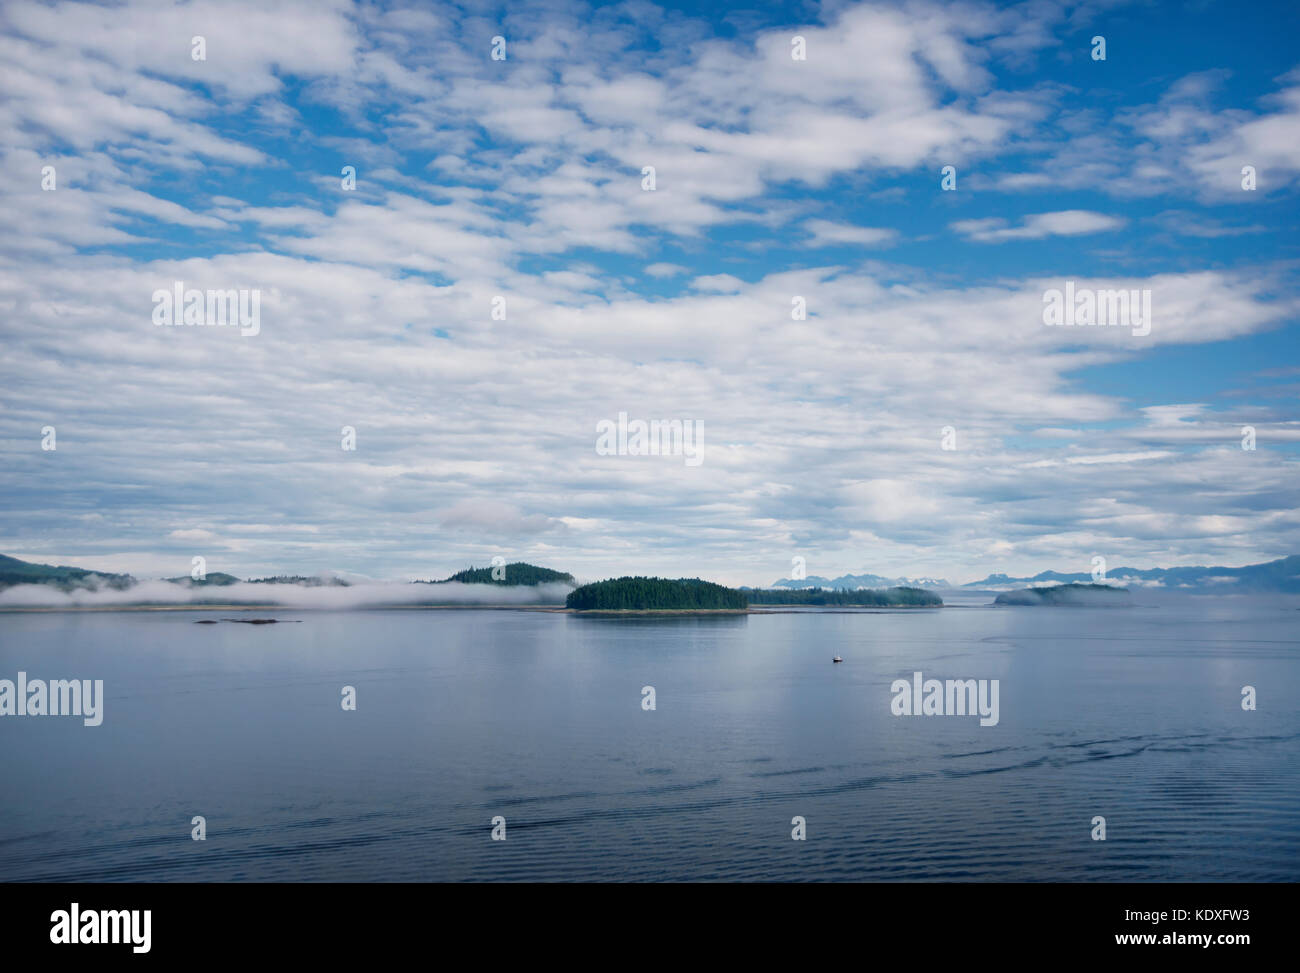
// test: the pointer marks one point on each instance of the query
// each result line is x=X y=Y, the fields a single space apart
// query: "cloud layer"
x=501 y=280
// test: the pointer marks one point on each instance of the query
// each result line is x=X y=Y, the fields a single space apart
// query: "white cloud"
x=666 y=270
x=826 y=233
x=192 y=534
x=494 y=518
x=1072 y=222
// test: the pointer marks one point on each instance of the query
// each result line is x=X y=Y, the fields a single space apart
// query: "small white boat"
x=837 y=659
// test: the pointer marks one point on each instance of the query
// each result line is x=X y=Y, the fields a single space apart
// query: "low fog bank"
x=327 y=597
x=1262 y=600
x=1067 y=594
x=1150 y=597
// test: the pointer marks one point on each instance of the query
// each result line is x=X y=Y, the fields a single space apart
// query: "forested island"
x=656 y=594
x=872 y=597
x=518 y=573
x=217 y=579
x=1068 y=594
x=531 y=585
x=16 y=572
x=511 y=575
x=306 y=581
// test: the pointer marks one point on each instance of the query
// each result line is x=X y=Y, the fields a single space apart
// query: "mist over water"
x=364 y=595
x=1133 y=714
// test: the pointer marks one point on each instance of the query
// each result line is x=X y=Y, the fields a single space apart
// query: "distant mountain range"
x=1280 y=575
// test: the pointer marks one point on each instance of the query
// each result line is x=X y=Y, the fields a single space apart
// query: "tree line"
x=517 y=573
x=654 y=594
x=875 y=597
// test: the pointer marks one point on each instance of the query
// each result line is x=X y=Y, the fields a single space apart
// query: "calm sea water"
x=1132 y=714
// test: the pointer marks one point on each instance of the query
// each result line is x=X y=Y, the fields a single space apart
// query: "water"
x=1132 y=714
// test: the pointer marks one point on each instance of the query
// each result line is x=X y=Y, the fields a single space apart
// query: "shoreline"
x=550 y=609
x=266 y=608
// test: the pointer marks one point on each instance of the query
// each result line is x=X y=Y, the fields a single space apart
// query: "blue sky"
x=775 y=178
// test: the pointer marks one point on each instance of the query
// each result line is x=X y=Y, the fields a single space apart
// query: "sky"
x=501 y=278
